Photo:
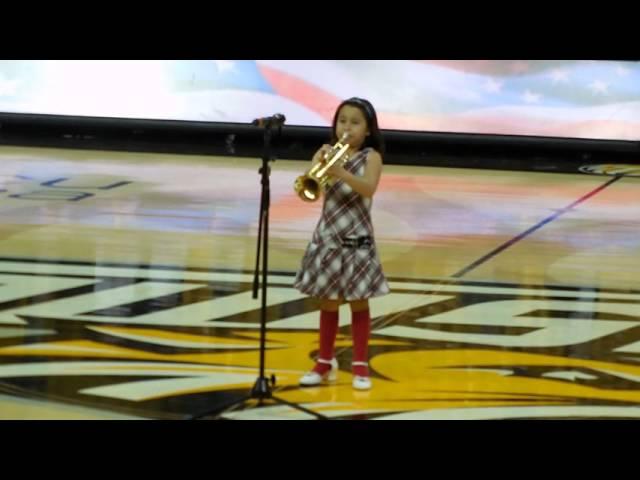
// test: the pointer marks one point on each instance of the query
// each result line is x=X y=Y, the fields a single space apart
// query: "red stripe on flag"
x=302 y=92
x=492 y=67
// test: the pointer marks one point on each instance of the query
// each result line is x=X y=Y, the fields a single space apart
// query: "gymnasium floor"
x=125 y=292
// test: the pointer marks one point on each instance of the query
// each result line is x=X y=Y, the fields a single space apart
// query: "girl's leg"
x=328 y=332
x=361 y=329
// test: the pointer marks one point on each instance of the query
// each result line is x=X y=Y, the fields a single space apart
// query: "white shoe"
x=361 y=383
x=312 y=378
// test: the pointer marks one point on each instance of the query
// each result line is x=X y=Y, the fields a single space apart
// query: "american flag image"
x=581 y=99
x=572 y=98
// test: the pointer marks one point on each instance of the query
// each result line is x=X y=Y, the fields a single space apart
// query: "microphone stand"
x=261 y=390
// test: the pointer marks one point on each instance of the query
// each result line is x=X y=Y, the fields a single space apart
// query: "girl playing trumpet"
x=341 y=263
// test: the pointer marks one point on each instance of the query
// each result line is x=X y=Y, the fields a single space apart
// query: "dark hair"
x=374 y=139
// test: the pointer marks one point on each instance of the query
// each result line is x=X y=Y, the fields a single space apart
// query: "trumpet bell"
x=307 y=188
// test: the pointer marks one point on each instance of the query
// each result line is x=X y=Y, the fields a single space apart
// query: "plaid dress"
x=341 y=261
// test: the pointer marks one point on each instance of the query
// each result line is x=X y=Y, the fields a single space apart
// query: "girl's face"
x=351 y=120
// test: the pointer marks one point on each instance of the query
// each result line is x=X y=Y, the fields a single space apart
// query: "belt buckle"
x=364 y=242
x=350 y=242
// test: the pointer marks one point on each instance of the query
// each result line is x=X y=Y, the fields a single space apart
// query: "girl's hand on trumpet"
x=319 y=155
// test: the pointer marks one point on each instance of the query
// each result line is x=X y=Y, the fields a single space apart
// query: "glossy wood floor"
x=125 y=292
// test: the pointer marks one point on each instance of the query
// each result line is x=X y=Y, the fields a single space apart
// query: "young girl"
x=341 y=263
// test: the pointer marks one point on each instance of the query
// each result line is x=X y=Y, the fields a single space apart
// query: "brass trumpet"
x=310 y=185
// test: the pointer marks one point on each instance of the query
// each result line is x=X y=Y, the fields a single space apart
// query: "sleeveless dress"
x=341 y=261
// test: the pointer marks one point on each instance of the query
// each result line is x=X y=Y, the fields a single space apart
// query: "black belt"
x=357 y=242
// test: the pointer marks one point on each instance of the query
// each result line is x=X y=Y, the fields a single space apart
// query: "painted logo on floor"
x=171 y=343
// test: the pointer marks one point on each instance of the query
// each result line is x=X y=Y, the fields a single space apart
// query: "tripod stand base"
x=261 y=388
x=261 y=391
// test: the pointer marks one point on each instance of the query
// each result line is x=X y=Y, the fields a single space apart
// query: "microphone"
x=276 y=120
